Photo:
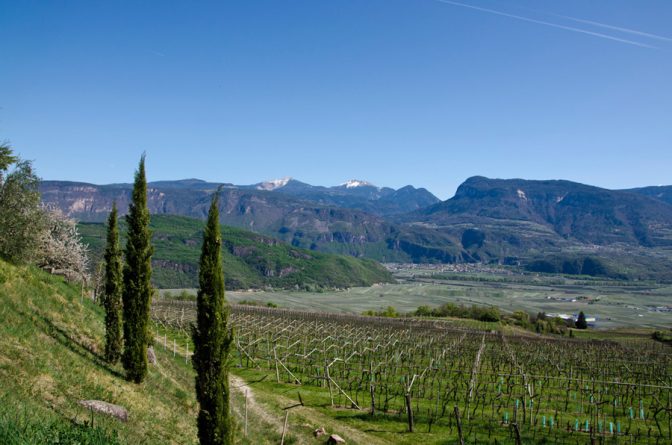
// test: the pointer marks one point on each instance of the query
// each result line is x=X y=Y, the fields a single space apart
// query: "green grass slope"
x=51 y=345
x=250 y=260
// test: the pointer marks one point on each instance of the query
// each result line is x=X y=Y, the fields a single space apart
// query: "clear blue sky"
x=397 y=92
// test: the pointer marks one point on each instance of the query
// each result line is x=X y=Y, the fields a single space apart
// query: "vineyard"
x=470 y=385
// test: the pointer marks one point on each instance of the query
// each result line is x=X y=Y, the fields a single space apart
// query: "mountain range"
x=513 y=221
x=355 y=194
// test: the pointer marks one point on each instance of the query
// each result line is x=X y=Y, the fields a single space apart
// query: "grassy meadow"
x=615 y=304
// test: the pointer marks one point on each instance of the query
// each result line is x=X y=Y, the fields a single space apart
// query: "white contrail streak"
x=615 y=28
x=599 y=24
x=542 y=22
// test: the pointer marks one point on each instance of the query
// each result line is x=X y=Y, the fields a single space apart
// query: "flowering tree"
x=60 y=248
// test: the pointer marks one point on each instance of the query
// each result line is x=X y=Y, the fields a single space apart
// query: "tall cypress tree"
x=113 y=289
x=137 y=293
x=581 y=322
x=212 y=339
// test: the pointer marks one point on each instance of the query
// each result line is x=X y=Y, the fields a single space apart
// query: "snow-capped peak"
x=273 y=184
x=356 y=183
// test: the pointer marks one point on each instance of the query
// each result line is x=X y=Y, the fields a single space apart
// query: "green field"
x=614 y=305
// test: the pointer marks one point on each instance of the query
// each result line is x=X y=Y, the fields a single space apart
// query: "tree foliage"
x=6 y=158
x=581 y=322
x=137 y=292
x=212 y=339
x=389 y=312
x=60 y=247
x=29 y=233
x=113 y=290
x=21 y=219
x=481 y=313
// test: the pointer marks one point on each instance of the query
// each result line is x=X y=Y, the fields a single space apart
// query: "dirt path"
x=274 y=419
x=304 y=414
x=254 y=409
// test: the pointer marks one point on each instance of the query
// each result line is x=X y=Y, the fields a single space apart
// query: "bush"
x=662 y=336
x=423 y=311
x=249 y=303
x=481 y=313
x=390 y=312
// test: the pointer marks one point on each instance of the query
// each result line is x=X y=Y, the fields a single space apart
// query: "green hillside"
x=51 y=344
x=250 y=260
x=51 y=347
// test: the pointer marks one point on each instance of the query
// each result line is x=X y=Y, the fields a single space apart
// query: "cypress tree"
x=137 y=293
x=581 y=322
x=212 y=339
x=113 y=289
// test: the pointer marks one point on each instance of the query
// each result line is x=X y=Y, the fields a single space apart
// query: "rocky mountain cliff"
x=564 y=210
x=518 y=221
x=512 y=221
x=302 y=223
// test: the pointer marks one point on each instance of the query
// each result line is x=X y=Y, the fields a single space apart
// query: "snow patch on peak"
x=273 y=184
x=356 y=183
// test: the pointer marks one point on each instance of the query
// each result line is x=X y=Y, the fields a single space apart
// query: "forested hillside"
x=250 y=260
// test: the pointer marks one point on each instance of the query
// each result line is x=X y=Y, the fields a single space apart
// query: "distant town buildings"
x=574 y=317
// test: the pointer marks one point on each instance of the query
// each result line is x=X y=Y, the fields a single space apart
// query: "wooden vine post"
x=328 y=378
x=459 y=425
x=409 y=407
x=372 y=390
x=516 y=432
x=409 y=410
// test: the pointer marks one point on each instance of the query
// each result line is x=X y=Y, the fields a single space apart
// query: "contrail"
x=542 y=22
x=615 y=28
x=598 y=24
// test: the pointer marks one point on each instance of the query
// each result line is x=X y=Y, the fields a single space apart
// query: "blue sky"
x=397 y=92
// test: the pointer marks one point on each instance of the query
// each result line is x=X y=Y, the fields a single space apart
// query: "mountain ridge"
x=572 y=210
x=379 y=201
x=659 y=192
x=511 y=221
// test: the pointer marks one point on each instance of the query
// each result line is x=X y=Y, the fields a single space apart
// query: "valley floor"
x=614 y=304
